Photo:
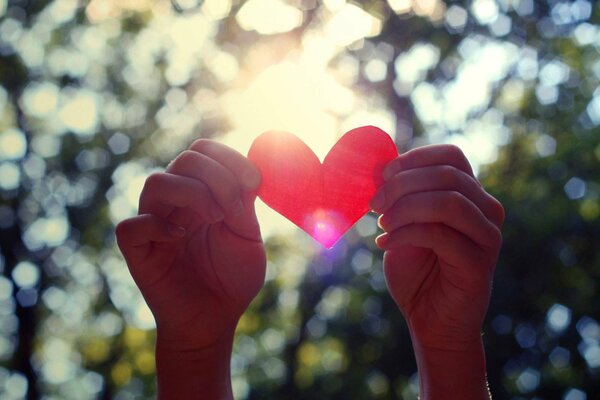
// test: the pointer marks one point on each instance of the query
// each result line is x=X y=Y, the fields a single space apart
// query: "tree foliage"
x=95 y=95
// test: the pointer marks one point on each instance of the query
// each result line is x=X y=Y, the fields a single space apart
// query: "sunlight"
x=324 y=230
x=216 y=9
x=301 y=92
x=351 y=23
x=268 y=17
x=79 y=112
x=291 y=98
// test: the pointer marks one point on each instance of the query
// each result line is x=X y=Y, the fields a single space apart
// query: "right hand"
x=195 y=249
x=441 y=244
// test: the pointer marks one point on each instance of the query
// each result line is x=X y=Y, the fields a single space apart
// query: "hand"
x=195 y=249
x=442 y=238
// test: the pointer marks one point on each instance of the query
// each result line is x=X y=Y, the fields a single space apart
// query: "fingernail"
x=378 y=201
x=381 y=240
x=379 y=221
x=216 y=213
x=175 y=230
x=250 y=178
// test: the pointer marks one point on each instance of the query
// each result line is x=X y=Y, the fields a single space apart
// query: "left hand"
x=442 y=238
x=197 y=270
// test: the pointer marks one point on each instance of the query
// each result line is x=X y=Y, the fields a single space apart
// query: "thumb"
x=136 y=238
x=242 y=221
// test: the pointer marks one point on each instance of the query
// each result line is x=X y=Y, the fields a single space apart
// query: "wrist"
x=452 y=373
x=192 y=373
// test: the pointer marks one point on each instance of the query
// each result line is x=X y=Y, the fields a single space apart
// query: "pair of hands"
x=196 y=253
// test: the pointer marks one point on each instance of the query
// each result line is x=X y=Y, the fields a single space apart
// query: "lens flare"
x=323 y=227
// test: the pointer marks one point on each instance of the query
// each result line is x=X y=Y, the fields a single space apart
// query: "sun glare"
x=291 y=98
x=287 y=97
x=301 y=92
x=324 y=231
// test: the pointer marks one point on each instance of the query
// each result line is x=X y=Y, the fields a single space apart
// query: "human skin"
x=442 y=239
x=196 y=253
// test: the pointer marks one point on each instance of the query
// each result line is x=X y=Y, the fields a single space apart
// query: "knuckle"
x=395 y=165
x=493 y=236
x=182 y=158
x=449 y=175
x=186 y=155
x=121 y=230
x=495 y=210
x=499 y=211
x=456 y=201
x=153 y=180
x=497 y=236
x=457 y=154
x=454 y=150
x=200 y=145
x=493 y=240
x=152 y=185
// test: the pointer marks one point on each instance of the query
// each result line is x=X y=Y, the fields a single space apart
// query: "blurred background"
x=96 y=95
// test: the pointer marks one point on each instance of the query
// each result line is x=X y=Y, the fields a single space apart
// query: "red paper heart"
x=324 y=200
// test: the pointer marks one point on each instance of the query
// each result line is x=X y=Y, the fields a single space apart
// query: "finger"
x=134 y=235
x=246 y=173
x=433 y=178
x=447 y=207
x=163 y=192
x=222 y=184
x=438 y=154
x=450 y=246
x=237 y=205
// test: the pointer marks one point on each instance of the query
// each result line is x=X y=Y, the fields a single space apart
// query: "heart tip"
x=329 y=245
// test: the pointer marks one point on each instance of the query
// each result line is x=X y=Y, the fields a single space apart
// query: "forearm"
x=452 y=374
x=194 y=374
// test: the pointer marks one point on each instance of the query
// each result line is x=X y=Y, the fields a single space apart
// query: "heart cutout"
x=324 y=200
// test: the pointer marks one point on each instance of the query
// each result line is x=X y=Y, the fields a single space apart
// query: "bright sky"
x=300 y=93
x=299 y=90
x=301 y=84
